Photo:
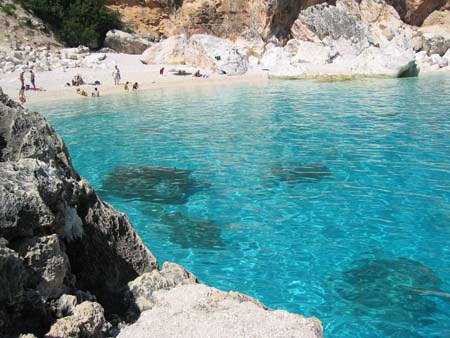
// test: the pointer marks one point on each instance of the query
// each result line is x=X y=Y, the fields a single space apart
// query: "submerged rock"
x=401 y=283
x=191 y=232
x=302 y=173
x=147 y=183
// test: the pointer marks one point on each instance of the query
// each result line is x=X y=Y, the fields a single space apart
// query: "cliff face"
x=56 y=236
x=223 y=18
x=414 y=12
x=232 y=18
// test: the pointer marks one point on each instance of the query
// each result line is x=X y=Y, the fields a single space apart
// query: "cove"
x=330 y=199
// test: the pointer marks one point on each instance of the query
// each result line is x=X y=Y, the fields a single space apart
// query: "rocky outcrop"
x=225 y=19
x=140 y=291
x=56 y=233
x=195 y=309
x=348 y=39
x=123 y=42
x=87 y=320
x=201 y=51
x=414 y=12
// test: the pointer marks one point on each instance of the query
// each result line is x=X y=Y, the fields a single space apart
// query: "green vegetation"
x=76 y=22
x=8 y=9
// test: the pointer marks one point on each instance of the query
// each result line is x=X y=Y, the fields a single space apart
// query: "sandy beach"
x=54 y=82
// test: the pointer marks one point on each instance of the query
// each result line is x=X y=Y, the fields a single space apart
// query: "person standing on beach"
x=116 y=75
x=22 y=98
x=22 y=79
x=33 y=79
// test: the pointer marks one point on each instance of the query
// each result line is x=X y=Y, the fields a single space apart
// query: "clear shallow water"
x=366 y=249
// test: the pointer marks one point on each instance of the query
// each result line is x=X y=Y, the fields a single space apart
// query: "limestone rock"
x=334 y=22
x=436 y=42
x=279 y=64
x=23 y=209
x=12 y=276
x=123 y=42
x=201 y=51
x=43 y=201
x=165 y=51
x=251 y=44
x=47 y=265
x=65 y=306
x=215 y=54
x=200 y=311
x=94 y=59
x=142 y=288
x=414 y=12
x=310 y=52
x=389 y=61
x=88 y=320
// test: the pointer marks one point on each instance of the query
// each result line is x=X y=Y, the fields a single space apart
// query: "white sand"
x=132 y=70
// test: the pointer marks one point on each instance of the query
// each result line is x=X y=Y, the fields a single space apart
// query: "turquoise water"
x=326 y=199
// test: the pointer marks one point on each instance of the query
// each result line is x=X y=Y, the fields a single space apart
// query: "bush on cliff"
x=79 y=22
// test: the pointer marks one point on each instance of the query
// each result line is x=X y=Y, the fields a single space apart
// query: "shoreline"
x=132 y=70
x=148 y=77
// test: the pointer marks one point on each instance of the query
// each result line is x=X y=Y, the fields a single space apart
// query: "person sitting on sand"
x=77 y=80
x=135 y=86
x=96 y=93
x=81 y=92
x=197 y=74
x=126 y=86
x=22 y=98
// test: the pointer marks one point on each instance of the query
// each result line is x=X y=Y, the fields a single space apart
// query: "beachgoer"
x=77 y=80
x=81 y=92
x=22 y=79
x=135 y=86
x=116 y=75
x=96 y=93
x=33 y=79
x=161 y=71
x=22 y=98
x=197 y=74
x=126 y=86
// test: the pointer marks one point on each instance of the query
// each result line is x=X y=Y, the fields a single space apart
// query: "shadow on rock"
x=304 y=173
x=391 y=289
x=191 y=232
x=154 y=184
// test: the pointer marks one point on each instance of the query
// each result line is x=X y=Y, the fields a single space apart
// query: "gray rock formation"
x=87 y=320
x=140 y=290
x=123 y=42
x=332 y=21
x=200 y=311
x=57 y=236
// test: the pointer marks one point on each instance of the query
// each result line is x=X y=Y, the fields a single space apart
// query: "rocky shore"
x=72 y=266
